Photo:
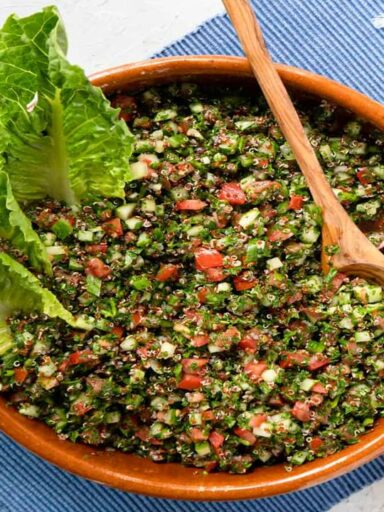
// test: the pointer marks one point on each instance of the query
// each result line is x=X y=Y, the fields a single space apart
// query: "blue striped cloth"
x=331 y=37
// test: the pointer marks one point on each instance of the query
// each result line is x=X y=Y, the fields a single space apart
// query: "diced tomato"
x=198 y=435
x=200 y=340
x=296 y=202
x=137 y=317
x=143 y=434
x=226 y=338
x=248 y=344
x=316 y=444
x=118 y=331
x=193 y=366
x=216 y=439
x=255 y=369
x=81 y=357
x=363 y=175
x=113 y=227
x=246 y=435
x=193 y=316
x=190 y=204
x=208 y=415
x=97 y=248
x=291 y=359
x=233 y=193
x=167 y=272
x=279 y=236
x=97 y=268
x=257 y=420
x=208 y=258
x=301 y=411
x=318 y=361
x=276 y=400
x=214 y=275
x=20 y=375
x=189 y=382
x=202 y=295
x=242 y=282
x=124 y=101
x=319 y=388
x=255 y=188
x=80 y=408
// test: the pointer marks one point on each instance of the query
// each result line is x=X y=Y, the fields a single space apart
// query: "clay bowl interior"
x=135 y=474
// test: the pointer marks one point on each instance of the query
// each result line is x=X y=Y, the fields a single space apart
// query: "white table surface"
x=105 y=33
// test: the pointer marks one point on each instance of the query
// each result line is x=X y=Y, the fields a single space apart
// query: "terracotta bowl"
x=135 y=474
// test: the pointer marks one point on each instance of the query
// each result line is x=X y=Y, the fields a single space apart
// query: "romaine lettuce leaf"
x=17 y=228
x=20 y=291
x=58 y=134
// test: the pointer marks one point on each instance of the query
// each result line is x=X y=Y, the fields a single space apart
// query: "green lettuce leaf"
x=20 y=291
x=17 y=228
x=58 y=134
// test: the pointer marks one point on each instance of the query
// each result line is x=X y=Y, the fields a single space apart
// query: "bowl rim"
x=132 y=473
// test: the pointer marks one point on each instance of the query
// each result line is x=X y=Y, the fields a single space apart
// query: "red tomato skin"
x=256 y=421
x=189 y=382
x=198 y=435
x=190 y=205
x=319 y=388
x=101 y=248
x=216 y=439
x=279 y=236
x=292 y=359
x=245 y=434
x=193 y=366
x=98 y=268
x=21 y=375
x=301 y=411
x=296 y=202
x=113 y=227
x=363 y=176
x=233 y=193
x=118 y=331
x=241 y=283
x=81 y=409
x=318 y=361
x=255 y=369
x=208 y=258
x=316 y=444
x=167 y=272
x=202 y=295
x=200 y=340
x=214 y=275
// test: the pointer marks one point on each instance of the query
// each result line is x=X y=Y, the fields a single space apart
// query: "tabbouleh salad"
x=216 y=340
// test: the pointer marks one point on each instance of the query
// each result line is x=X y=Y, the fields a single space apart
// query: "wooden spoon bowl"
x=135 y=474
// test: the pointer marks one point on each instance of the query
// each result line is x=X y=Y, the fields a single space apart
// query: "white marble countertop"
x=105 y=33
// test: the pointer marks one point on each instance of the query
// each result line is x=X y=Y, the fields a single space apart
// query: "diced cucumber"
x=196 y=108
x=307 y=384
x=148 y=205
x=179 y=193
x=134 y=223
x=362 y=336
x=74 y=265
x=125 y=210
x=129 y=343
x=165 y=115
x=310 y=235
x=249 y=218
x=274 y=263
x=85 y=236
x=203 y=448
x=167 y=350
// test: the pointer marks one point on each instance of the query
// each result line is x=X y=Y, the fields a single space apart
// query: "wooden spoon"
x=357 y=255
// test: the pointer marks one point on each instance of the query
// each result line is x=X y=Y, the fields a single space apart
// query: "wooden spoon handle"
x=250 y=35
